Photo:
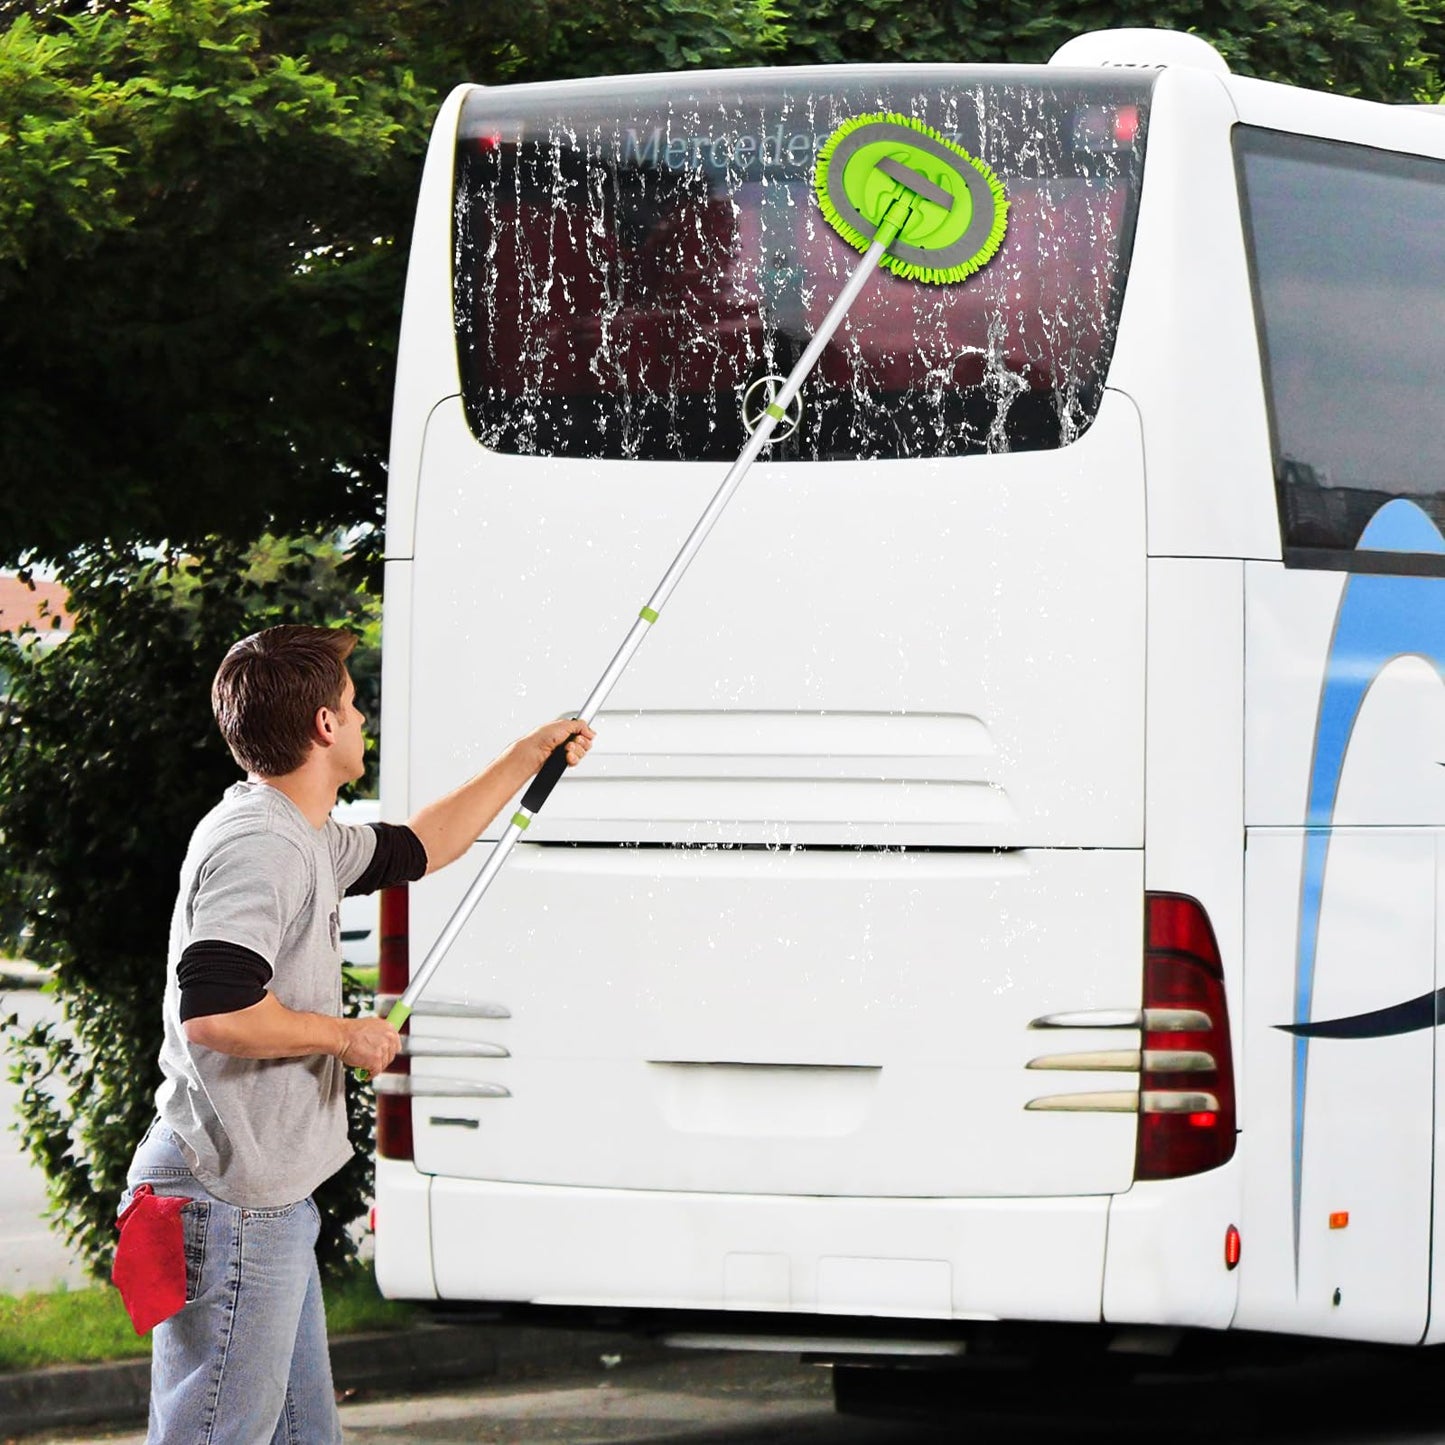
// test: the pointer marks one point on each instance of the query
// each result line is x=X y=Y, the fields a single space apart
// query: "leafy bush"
x=108 y=758
x=1378 y=49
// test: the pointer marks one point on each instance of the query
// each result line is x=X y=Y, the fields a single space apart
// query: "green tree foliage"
x=192 y=335
x=621 y=37
x=204 y=206
x=108 y=757
x=1378 y=49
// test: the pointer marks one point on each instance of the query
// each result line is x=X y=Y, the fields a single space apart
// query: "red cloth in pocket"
x=150 y=1260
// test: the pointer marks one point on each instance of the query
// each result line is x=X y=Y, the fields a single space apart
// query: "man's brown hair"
x=268 y=689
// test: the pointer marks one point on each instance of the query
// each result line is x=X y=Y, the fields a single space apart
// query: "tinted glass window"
x=632 y=256
x=1347 y=246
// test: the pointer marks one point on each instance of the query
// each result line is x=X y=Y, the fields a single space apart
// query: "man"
x=251 y=1112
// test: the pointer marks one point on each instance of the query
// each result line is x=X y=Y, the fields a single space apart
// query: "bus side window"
x=1349 y=282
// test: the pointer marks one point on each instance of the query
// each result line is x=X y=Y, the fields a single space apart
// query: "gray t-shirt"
x=262 y=1133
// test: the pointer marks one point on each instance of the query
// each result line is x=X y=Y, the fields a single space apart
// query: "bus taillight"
x=1186 y=1082
x=393 y=1111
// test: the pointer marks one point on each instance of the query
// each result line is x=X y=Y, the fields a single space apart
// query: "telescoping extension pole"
x=906 y=180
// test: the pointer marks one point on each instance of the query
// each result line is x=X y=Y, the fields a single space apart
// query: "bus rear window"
x=632 y=255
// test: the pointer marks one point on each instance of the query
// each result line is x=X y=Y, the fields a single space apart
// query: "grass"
x=71 y=1327
x=353 y=1305
x=67 y=1327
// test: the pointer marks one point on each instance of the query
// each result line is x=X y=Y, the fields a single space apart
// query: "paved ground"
x=32 y=1256
x=708 y=1401
x=741 y=1400
x=775 y=1400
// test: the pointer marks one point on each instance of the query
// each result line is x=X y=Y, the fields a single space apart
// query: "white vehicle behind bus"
x=360 y=914
x=1004 y=891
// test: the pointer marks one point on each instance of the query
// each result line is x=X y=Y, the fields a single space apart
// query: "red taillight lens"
x=395 y=945
x=1186 y=1084
x=393 y=1111
x=393 y=1124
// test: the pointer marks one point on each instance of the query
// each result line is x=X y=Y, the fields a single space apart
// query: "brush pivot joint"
x=919 y=184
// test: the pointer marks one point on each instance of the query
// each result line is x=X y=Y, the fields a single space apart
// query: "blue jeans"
x=245 y=1362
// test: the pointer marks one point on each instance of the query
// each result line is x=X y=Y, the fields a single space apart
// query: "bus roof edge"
x=1140 y=49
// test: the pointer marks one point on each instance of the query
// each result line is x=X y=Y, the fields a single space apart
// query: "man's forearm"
x=449 y=826
x=268 y=1030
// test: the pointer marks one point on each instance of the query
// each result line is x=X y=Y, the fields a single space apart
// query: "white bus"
x=1004 y=893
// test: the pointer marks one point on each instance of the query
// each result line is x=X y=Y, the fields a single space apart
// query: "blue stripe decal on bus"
x=1381 y=617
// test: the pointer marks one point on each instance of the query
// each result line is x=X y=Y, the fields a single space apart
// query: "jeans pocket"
x=194 y=1219
x=284 y=1212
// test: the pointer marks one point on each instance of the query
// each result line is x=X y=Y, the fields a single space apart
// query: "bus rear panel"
x=883 y=967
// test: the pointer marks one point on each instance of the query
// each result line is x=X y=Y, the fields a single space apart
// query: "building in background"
x=37 y=604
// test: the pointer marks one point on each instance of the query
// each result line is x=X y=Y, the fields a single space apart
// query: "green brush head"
x=958 y=212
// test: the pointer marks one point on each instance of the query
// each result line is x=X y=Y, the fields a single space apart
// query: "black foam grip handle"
x=546 y=778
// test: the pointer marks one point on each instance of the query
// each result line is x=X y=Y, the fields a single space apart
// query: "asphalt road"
x=775 y=1400
x=760 y=1400
x=32 y=1256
